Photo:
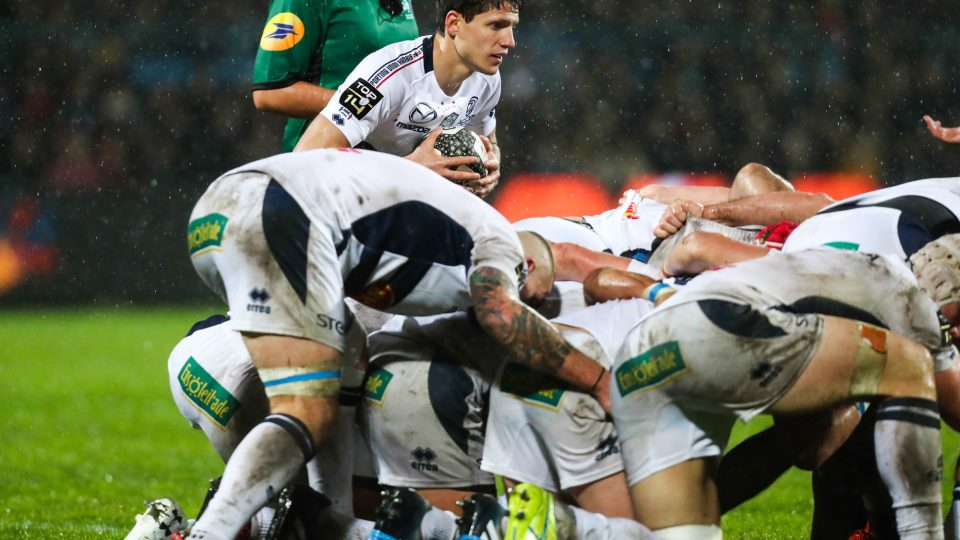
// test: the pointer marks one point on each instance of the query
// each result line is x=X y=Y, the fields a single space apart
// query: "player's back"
x=405 y=237
x=871 y=288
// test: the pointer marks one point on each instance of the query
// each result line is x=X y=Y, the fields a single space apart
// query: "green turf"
x=88 y=430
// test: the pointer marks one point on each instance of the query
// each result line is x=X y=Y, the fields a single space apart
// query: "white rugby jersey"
x=945 y=191
x=392 y=99
x=871 y=288
x=603 y=327
x=628 y=229
x=894 y=221
x=407 y=240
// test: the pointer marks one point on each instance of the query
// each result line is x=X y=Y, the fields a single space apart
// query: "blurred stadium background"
x=114 y=117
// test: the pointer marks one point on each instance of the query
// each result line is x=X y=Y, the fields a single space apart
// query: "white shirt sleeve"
x=359 y=105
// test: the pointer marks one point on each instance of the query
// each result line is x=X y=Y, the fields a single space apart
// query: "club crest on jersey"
x=207 y=394
x=283 y=31
x=376 y=385
x=360 y=97
x=651 y=369
x=206 y=233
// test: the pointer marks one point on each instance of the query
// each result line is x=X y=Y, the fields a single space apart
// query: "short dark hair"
x=469 y=9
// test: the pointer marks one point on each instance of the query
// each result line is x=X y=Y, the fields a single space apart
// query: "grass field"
x=88 y=430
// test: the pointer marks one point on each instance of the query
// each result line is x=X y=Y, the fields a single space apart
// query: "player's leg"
x=251 y=241
x=604 y=496
x=303 y=408
x=858 y=361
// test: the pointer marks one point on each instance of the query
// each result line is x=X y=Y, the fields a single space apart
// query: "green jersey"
x=320 y=42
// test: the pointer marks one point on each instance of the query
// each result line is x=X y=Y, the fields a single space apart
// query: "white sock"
x=265 y=460
x=951 y=525
x=907 y=448
x=341 y=527
x=438 y=525
x=575 y=523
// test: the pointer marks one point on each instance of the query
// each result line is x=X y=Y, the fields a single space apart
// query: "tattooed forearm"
x=530 y=338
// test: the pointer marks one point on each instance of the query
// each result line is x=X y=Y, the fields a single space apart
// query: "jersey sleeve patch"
x=283 y=31
x=360 y=97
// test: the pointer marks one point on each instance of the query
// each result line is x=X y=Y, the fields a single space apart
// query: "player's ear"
x=452 y=23
x=531 y=265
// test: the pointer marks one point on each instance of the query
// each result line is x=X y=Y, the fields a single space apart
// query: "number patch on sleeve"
x=360 y=97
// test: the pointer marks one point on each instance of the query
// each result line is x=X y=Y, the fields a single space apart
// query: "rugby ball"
x=460 y=141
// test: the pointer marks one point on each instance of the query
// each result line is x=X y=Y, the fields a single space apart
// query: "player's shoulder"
x=396 y=59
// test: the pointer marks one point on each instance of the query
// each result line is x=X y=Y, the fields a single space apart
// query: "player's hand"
x=427 y=155
x=945 y=134
x=675 y=216
x=485 y=185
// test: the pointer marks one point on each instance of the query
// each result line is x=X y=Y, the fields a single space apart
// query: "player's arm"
x=299 y=100
x=606 y=284
x=701 y=250
x=530 y=338
x=573 y=262
x=764 y=209
x=701 y=194
x=322 y=133
x=290 y=37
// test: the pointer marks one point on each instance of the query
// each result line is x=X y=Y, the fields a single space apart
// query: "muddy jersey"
x=894 y=221
x=404 y=247
x=933 y=201
x=870 y=288
x=392 y=100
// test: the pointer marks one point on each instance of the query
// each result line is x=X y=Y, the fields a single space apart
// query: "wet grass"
x=88 y=430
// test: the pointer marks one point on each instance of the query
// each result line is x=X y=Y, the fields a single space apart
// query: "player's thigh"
x=663 y=442
x=609 y=496
x=855 y=360
x=683 y=494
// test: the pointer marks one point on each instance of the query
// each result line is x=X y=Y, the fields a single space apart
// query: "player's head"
x=540 y=268
x=481 y=30
x=937 y=267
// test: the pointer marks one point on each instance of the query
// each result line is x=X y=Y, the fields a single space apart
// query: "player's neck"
x=448 y=67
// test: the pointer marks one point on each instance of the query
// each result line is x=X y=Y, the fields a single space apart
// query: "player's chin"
x=491 y=66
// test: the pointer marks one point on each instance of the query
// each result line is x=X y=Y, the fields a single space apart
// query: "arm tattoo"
x=530 y=338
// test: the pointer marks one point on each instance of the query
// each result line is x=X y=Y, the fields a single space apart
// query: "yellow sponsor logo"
x=205 y=232
x=206 y=393
x=650 y=369
x=282 y=32
x=376 y=385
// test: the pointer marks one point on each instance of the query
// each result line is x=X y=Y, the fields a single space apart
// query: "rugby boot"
x=399 y=515
x=297 y=514
x=160 y=521
x=863 y=534
x=481 y=518
x=531 y=514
